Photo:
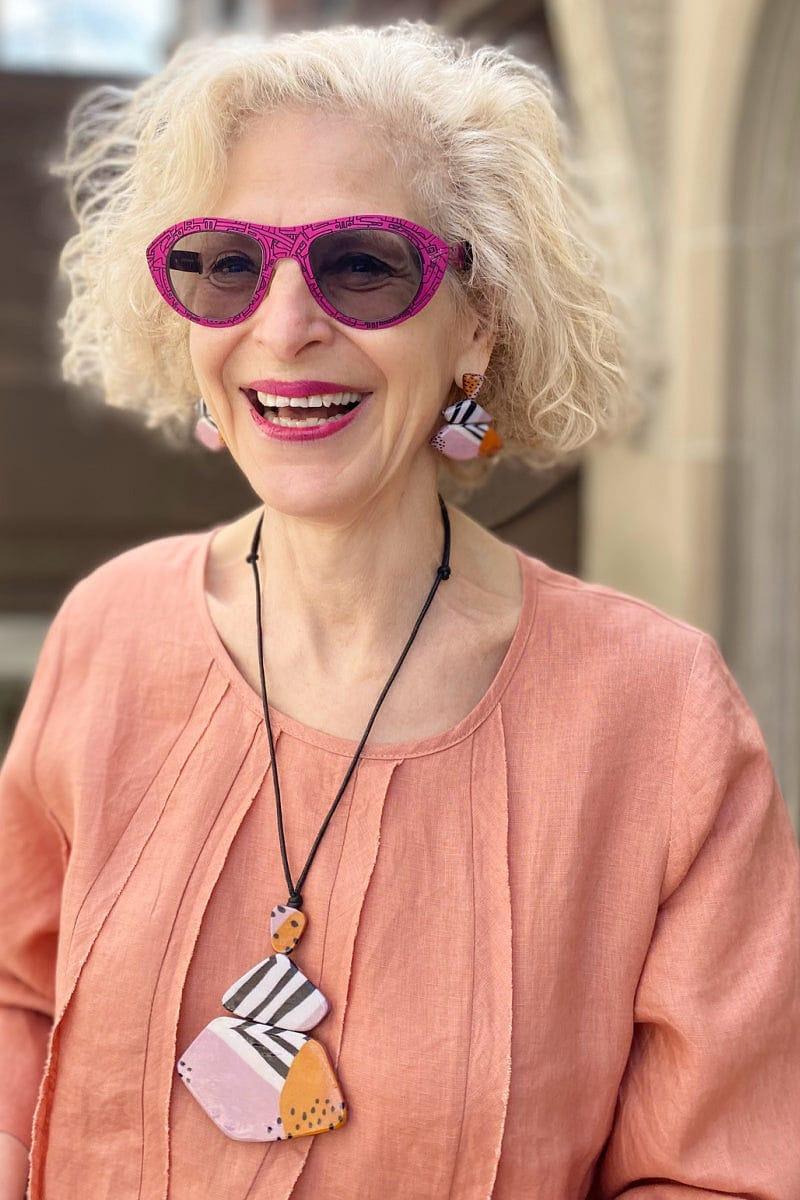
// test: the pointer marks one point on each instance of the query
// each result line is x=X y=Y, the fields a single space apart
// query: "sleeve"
x=709 y=1103
x=33 y=855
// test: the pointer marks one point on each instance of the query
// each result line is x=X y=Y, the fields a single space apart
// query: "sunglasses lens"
x=214 y=274
x=372 y=275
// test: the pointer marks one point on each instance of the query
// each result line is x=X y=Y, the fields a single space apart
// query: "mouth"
x=295 y=415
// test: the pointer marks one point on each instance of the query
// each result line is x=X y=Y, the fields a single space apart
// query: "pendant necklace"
x=256 y=1073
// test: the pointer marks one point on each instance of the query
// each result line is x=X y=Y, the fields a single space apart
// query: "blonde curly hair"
x=477 y=138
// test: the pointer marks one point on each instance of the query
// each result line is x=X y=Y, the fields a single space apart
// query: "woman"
x=532 y=888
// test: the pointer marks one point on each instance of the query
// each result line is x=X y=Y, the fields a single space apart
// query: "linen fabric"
x=560 y=939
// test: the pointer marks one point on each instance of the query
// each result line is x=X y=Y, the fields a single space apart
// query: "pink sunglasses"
x=367 y=271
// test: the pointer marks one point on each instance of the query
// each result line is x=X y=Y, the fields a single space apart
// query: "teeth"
x=297 y=422
x=270 y=401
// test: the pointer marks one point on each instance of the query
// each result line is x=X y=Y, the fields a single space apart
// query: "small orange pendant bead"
x=286 y=927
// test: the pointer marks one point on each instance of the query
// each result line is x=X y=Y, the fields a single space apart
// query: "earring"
x=467 y=432
x=206 y=430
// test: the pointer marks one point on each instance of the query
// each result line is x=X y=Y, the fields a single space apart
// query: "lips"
x=299 y=431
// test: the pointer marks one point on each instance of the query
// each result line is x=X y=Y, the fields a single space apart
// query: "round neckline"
x=347 y=747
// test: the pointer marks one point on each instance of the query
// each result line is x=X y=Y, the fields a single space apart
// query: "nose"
x=287 y=312
x=287 y=317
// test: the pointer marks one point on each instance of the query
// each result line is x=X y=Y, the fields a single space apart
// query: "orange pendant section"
x=311 y=1101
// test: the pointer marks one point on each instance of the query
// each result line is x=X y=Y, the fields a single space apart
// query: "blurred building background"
x=689 y=117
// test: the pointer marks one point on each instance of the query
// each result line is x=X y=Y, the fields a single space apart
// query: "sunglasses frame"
x=295 y=241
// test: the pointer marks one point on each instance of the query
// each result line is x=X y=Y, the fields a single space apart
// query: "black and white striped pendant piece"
x=276 y=992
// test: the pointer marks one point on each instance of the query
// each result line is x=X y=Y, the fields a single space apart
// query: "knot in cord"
x=443 y=572
x=252 y=556
x=295 y=901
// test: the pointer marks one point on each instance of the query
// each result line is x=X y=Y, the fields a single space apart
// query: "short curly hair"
x=478 y=140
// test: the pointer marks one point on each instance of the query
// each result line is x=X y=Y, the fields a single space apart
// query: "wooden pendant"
x=256 y=1073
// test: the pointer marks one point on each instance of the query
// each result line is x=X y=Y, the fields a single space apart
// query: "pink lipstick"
x=307 y=433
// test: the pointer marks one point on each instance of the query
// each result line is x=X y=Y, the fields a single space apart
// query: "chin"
x=314 y=493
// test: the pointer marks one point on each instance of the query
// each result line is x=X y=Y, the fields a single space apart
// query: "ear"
x=477 y=348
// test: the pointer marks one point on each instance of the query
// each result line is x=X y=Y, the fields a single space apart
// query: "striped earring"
x=206 y=430
x=467 y=432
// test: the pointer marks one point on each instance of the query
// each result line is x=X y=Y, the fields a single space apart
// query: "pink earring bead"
x=208 y=435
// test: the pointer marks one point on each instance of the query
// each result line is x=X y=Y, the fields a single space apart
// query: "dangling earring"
x=467 y=432
x=206 y=431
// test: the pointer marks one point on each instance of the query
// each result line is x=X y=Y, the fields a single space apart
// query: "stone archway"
x=761 y=616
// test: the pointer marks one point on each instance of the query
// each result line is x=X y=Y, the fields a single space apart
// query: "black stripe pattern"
x=276 y=992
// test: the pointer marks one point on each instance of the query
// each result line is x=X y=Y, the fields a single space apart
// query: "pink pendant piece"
x=262 y=1084
x=257 y=1074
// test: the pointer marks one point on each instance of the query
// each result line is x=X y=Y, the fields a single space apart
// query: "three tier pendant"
x=256 y=1073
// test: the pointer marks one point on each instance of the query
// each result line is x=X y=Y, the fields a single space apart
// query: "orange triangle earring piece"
x=467 y=432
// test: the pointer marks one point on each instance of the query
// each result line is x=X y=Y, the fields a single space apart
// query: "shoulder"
x=632 y=658
x=140 y=606
x=138 y=583
x=129 y=658
x=631 y=688
x=611 y=647
x=621 y=663
x=608 y=617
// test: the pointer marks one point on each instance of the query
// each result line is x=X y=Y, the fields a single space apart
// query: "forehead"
x=291 y=167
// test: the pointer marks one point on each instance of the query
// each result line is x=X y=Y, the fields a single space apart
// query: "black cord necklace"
x=256 y=1073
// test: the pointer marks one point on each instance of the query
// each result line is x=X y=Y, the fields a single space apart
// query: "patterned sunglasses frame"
x=295 y=241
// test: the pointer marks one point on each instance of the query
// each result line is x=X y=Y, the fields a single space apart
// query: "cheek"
x=209 y=350
x=412 y=360
x=415 y=365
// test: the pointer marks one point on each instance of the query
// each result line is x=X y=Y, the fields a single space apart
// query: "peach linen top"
x=560 y=940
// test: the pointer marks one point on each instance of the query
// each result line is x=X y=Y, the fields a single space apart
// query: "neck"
x=348 y=586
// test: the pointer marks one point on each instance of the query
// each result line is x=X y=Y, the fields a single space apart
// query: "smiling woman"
x=461 y=878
